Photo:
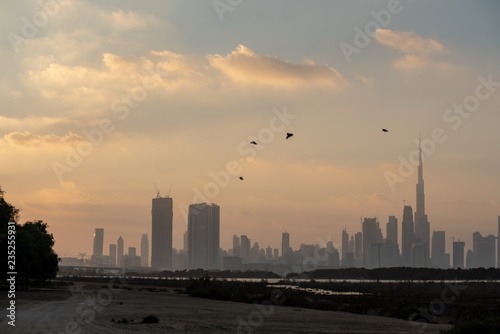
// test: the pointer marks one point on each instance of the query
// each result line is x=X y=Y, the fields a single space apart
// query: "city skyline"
x=105 y=99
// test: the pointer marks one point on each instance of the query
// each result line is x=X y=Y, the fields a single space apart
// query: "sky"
x=100 y=101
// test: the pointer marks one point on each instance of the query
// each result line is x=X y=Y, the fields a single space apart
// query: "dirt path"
x=91 y=307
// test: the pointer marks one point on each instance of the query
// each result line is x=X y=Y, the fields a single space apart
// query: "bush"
x=150 y=319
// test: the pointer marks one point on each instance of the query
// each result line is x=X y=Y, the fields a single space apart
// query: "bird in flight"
x=288 y=135
x=253 y=142
x=385 y=130
x=241 y=178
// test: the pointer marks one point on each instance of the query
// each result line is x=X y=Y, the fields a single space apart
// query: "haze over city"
x=102 y=101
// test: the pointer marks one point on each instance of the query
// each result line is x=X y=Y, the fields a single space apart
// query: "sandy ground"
x=90 y=308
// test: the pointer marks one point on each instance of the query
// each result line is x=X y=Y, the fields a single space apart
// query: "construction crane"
x=82 y=256
x=156 y=190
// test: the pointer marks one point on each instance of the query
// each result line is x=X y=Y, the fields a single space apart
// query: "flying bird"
x=241 y=178
x=288 y=135
x=385 y=130
x=253 y=142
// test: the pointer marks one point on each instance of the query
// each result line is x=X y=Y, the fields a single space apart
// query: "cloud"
x=412 y=62
x=408 y=42
x=244 y=65
x=31 y=123
x=27 y=139
x=129 y=20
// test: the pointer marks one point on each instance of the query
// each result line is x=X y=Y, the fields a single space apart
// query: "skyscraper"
x=422 y=226
x=119 y=252
x=236 y=246
x=498 y=244
x=345 y=244
x=358 y=249
x=392 y=231
x=438 y=255
x=144 y=251
x=98 y=243
x=458 y=254
x=371 y=235
x=112 y=254
x=407 y=236
x=161 y=233
x=203 y=236
x=483 y=251
x=285 y=244
x=244 y=249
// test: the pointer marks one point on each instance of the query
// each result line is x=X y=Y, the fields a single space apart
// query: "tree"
x=35 y=260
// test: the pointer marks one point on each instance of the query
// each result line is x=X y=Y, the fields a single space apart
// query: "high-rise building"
x=236 y=246
x=358 y=249
x=483 y=250
x=371 y=235
x=98 y=243
x=144 y=251
x=245 y=249
x=112 y=254
x=438 y=254
x=407 y=236
x=119 y=252
x=161 y=233
x=345 y=244
x=132 y=251
x=203 y=236
x=422 y=226
x=392 y=231
x=458 y=254
x=498 y=244
x=285 y=244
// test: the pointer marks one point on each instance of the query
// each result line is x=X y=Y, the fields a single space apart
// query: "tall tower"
x=285 y=244
x=98 y=243
x=161 y=233
x=345 y=243
x=422 y=226
x=144 y=251
x=407 y=236
x=203 y=236
x=498 y=244
x=458 y=254
x=119 y=251
x=112 y=254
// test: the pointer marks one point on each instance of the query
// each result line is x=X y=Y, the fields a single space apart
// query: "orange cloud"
x=408 y=42
x=246 y=66
x=27 y=139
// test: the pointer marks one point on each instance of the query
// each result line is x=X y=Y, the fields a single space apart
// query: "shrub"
x=150 y=319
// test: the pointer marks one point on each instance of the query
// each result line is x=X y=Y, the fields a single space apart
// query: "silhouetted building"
x=285 y=244
x=236 y=246
x=345 y=244
x=161 y=233
x=112 y=254
x=407 y=236
x=422 y=226
x=498 y=244
x=392 y=231
x=458 y=254
x=119 y=252
x=438 y=255
x=245 y=249
x=483 y=249
x=144 y=251
x=358 y=249
x=203 y=236
x=371 y=235
x=469 y=259
x=98 y=244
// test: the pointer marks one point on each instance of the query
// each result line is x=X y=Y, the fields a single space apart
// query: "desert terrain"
x=101 y=308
